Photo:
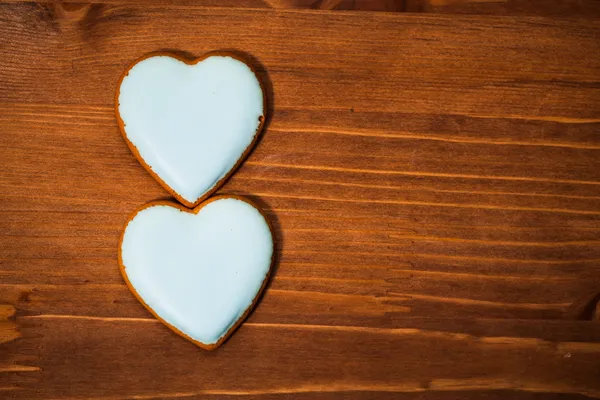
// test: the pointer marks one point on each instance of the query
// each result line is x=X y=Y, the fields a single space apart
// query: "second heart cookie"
x=190 y=123
x=198 y=271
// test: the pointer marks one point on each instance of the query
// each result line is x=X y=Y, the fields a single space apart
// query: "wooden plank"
x=459 y=62
x=70 y=7
x=545 y=8
x=287 y=360
x=559 y=8
x=434 y=182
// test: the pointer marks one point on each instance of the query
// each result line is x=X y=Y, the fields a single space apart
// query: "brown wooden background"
x=434 y=178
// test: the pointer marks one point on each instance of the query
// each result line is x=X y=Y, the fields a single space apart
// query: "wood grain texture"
x=556 y=8
x=434 y=182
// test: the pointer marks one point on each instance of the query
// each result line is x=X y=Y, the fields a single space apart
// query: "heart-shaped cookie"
x=198 y=271
x=190 y=123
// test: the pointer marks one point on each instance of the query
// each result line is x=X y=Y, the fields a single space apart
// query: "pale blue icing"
x=191 y=123
x=198 y=272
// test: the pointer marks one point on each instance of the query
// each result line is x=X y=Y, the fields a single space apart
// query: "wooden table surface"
x=433 y=177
